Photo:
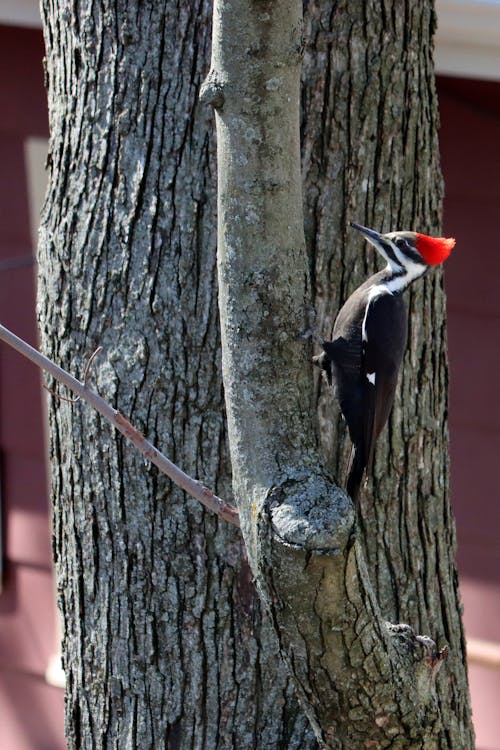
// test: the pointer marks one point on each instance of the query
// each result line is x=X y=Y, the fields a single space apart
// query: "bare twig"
x=189 y=485
x=53 y=392
x=86 y=374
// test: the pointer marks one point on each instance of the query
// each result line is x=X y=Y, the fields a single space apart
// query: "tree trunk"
x=164 y=642
x=370 y=80
x=362 y=681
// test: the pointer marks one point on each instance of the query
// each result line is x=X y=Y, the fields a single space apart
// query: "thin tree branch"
x=194 y=488
x=86 y=374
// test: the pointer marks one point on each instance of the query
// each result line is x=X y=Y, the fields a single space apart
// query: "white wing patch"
x=371 y=377
x=374 y=292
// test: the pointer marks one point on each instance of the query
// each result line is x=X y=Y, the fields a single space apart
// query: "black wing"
x=384 y=342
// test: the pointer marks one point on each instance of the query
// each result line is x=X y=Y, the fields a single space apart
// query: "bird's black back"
x=364 y=370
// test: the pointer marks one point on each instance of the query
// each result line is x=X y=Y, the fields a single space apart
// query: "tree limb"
x=194 y=488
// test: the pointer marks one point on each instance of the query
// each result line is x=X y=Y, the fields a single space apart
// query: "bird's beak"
x=370 y=234
x=374 y=238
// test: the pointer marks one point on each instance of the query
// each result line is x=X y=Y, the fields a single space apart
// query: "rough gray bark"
x=362 y=683
x=164 y=643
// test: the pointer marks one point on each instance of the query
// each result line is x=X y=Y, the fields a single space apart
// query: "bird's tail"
x=355 y=473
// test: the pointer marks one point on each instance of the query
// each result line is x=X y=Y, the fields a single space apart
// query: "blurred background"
x=468 y=66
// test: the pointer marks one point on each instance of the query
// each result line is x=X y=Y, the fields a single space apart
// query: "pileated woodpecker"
x=369 y=339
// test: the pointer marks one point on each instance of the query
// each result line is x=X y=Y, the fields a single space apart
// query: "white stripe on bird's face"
x=392 y=264
x=410 y=270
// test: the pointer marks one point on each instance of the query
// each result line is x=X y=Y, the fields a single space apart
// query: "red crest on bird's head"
x=434 y=250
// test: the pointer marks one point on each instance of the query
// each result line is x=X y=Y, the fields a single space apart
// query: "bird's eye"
x=400 y=242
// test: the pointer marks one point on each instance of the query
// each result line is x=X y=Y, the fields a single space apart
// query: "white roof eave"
x=468 y=38
x=20 y=13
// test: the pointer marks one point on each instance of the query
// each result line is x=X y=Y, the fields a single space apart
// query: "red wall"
x=31 y=711
x=470 y=152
